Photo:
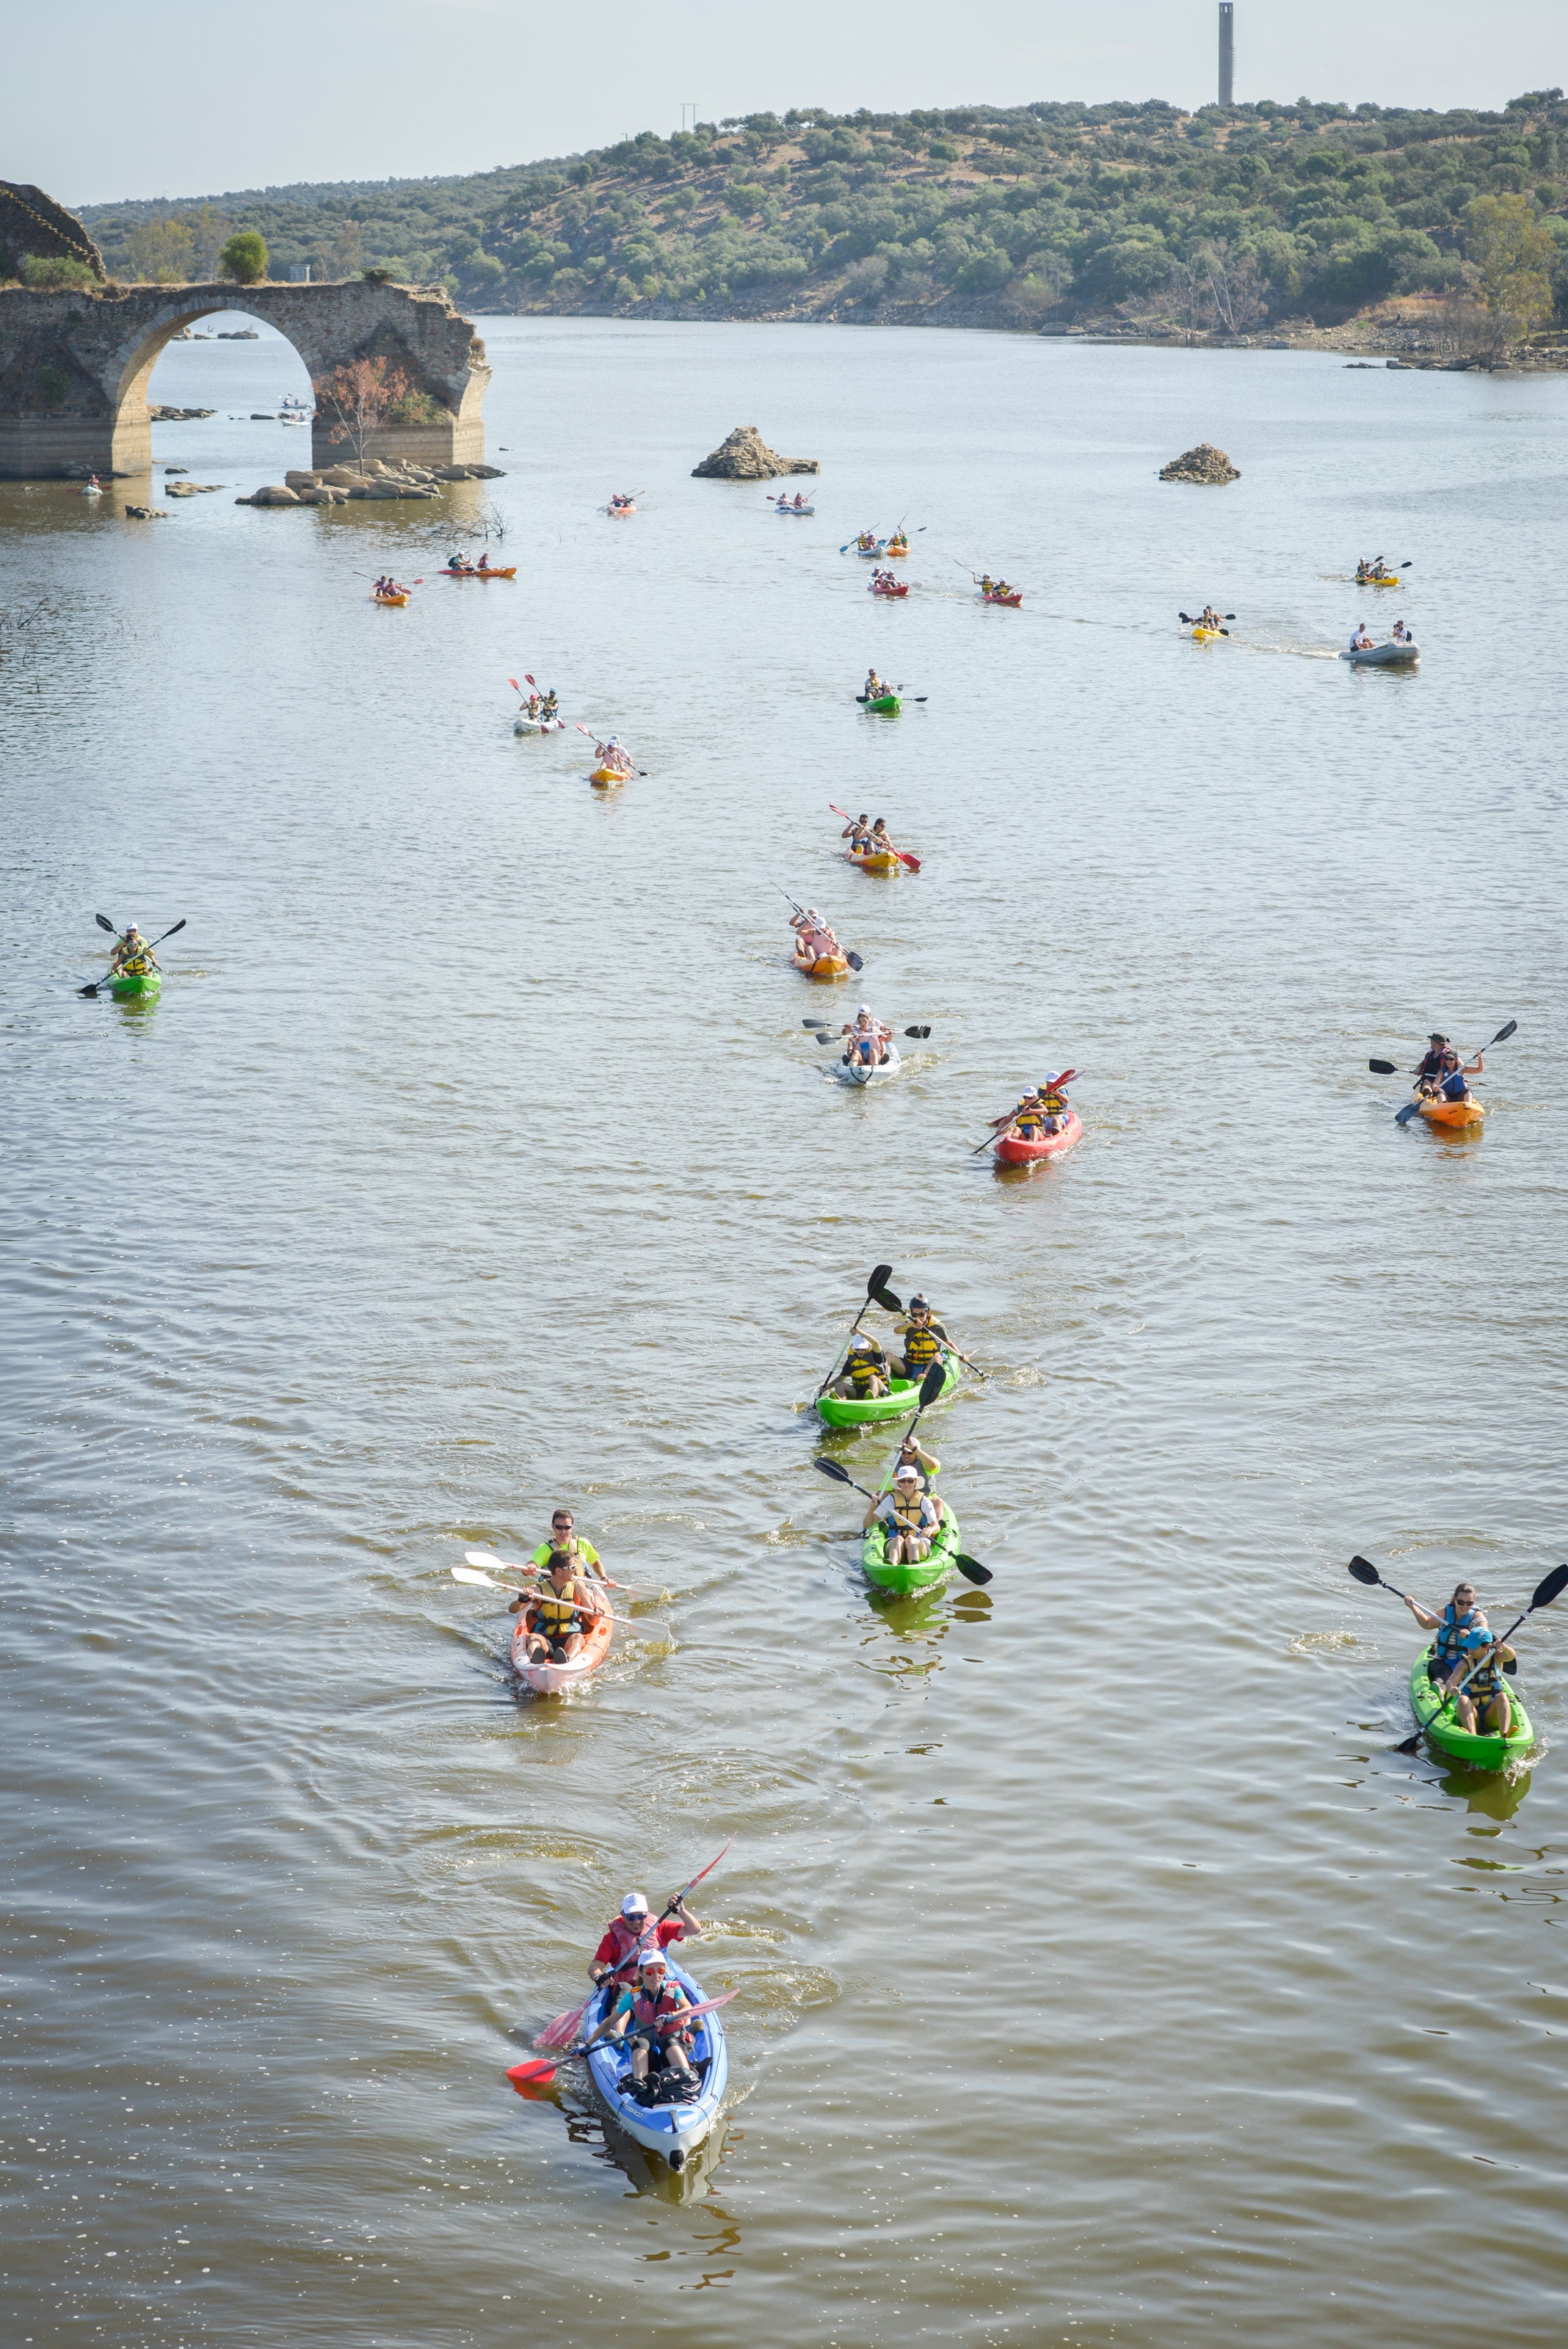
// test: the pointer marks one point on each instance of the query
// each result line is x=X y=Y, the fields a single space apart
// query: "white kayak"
x=524 y=724
x=857 y=1073
x=1385 y=656
x=801 y=510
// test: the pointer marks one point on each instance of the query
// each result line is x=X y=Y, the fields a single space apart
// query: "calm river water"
x=475 y=1158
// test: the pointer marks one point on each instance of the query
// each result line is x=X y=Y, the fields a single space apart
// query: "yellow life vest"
x=865 y=1362
x=922 y=1345
x=558 y=1613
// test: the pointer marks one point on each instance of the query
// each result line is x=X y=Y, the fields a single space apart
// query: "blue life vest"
x=1453 y=1637
x=1455 y=1087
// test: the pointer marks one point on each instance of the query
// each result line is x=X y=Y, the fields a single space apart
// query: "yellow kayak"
x=1206 y=636
x=607 y=776
x=883 y=862
x=1371 y=579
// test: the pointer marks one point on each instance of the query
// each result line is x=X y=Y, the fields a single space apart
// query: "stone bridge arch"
x=74 y=366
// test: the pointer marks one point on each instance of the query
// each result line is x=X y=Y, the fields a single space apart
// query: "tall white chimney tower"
x=1227 y=52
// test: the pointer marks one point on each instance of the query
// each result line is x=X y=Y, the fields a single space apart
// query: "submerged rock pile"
x=1205 y=465
x=175 y=415
x=190 y=488
x=336 y=484
x=747 y=457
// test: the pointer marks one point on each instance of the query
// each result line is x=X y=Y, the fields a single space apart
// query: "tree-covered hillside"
x=976 y=212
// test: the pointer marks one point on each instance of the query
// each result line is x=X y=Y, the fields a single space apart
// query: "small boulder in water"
x=1207 y=466
x=747 y=457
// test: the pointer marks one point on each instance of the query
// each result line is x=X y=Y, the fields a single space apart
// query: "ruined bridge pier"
x=74 y=366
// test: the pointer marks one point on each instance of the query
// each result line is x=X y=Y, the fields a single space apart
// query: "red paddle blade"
x=530 y=679
x=912 y=862
x=563 y=2030
x=514 y=684
x=538 y=2072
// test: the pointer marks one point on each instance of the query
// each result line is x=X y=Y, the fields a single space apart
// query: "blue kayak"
x=673 y=2130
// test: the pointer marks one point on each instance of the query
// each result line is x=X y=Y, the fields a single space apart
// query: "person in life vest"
x=649 y=2015
x=1209 y=617
x=1429 y=1066
x=880 y=842
x=557 y=1617
x=456 y=562
x=911 y=1516
x=132 y=954
x=814 y=939
x=912 y=1454
x=1052 y=1100
x=857 y=833
x=552 y=704
x=865 y=1373
x=876 y=689
x=1481 y=1703
x=1454 y=1631
x=562 y=1537
x=1452 y=1077
x=924 y=1341
x=636 y=1930
x=868 y=1040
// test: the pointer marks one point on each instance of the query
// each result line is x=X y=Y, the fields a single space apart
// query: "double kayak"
x=885 y=705
x=889 y=586
x=550 y=1680
x=129 y=985
x=524 y=724
x=901 y=1403
x=868 y=1072
x=935 y=1567
x=1379 y=579
x=1434 y=1715
x=1448 y=1112
x=882 y=860
x=833 y=966
x=1011 y=599
x=390 y=600
x=674 y=2129
x=491 y=570
x=1011 y=1151
x=1207 y=635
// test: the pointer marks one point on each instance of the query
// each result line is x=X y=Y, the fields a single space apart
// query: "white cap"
x=907 y=1469
x=653 y=1958
x=634 y=1904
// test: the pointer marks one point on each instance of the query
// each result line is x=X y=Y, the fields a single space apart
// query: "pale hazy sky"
x=183 y=97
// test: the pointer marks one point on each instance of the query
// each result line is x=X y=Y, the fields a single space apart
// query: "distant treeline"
x=1015 y=215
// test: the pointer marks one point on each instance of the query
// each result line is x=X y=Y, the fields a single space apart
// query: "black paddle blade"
x=814 y=1023
x=971 y=1568
x=1545 y=1592
x=1230 y=616
x=1503 y=1034
x=825 y=1039
x=888 y=1301
x=1185 y=616
x=936 y=1379
x=1410 y=1745
x=855 y=962
x=104 y=922
x=831 y=1468
x=1381 y=1068
x=179 y=925
x=1411 y=1109
x=916 y=1031
x=91 y=988
x=1364 y=1571
x=879 y=1273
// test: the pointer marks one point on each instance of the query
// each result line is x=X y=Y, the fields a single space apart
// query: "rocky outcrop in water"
x=1206 y=465
x=175 y=415
x=747 y=457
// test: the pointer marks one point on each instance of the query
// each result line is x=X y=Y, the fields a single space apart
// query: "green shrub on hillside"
x=245 y=257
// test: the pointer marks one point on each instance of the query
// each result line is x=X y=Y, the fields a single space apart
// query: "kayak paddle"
x=1546 y=1590
x=970 y=1567
x=538 y=2074
x=565 y=2027
x=1413 y=1109
x=1191 y=623
x=93 y=985
x=897 y=688
x=844 y=1030
x=517 y=1566
x=912 y=862
x=997 y=1124
x=877 y=1293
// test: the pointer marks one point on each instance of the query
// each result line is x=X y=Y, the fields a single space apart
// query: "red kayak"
x=889 y=588
x=1011 y=1152
x=1011 y=601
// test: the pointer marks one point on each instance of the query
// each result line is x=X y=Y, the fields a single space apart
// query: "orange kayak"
x=1446 y=1112
x=388 y=599
x=491 y=570
x=607 y=777
x=825 y=966
x=548 y=1678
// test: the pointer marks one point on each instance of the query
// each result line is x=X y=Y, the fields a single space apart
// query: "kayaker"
x=912 y=1454
x=563 y=1538
x=1361 y=642
x=1455 y=1630
x=865 y=1373
x=557 y=1617
x=814 y=937
x=857 y=834
x=483 y=563
x=636 y=1930
x=1429 y=1066
x=650 y=2011
x=1052 y=1101
x=874 y=691
x=923 y=1342
x=1451 y=1085
x=1209 y=617
x=552 y=704
x=1482 y=1704
x=911 y=1516
x=878 y=844
x=868 y=1040
x=132 y=954
x=800 y=501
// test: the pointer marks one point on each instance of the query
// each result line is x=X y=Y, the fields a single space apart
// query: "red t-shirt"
x=617 y=1946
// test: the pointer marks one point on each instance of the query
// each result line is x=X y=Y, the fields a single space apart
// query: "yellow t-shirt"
x=585 y=1551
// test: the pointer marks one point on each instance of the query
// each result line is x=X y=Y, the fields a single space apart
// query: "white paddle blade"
x=489 y=1558
x=472 y=1574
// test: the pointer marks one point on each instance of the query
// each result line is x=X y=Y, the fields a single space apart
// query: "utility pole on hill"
x=1227 y=52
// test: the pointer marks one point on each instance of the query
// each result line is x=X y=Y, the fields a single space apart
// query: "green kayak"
x=128 y=985
x=1434 y=1715
x=886 y=705
x=935 y=1567
x=902 y=1402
